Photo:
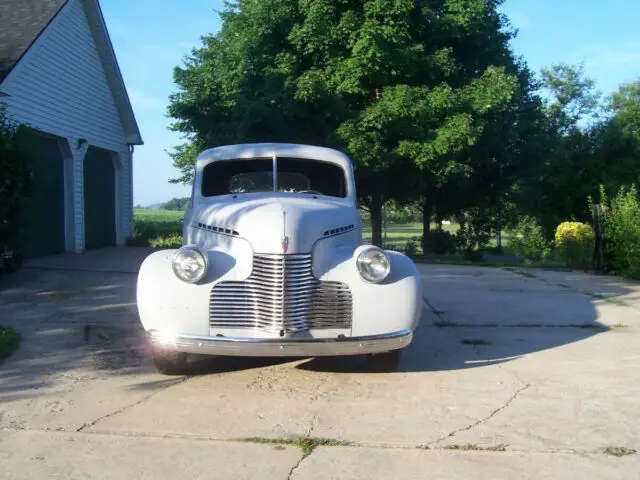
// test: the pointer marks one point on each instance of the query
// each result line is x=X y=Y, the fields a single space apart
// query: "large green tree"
x=423 y=94
x=565 y=170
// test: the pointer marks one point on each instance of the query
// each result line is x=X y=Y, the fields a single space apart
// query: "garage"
x=99 y=198
x=44 y=223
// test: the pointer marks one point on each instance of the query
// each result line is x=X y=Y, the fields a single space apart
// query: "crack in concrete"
x=365 y=445
x=303 y=456
x=434 y=310
x=127 y=407
x=484 y=419
x=295 y=467
x=613 y=299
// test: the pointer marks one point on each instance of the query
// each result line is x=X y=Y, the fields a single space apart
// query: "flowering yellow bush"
x=575 y=242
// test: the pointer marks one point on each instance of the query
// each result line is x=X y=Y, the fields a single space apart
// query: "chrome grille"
x=281 y=295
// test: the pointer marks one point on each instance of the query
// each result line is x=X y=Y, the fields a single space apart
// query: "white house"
x=59 y=75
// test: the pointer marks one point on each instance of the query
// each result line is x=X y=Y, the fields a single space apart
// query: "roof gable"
x=21 y=23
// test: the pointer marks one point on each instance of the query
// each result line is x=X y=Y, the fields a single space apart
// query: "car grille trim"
x=281 y=295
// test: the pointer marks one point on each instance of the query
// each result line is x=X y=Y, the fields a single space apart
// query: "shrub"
x=15 y=177
x=440 y=242
x=622 y=230
x=527 y=240
x=474 y=234
x=169 y=241
x=575 y=242
x=411 y=248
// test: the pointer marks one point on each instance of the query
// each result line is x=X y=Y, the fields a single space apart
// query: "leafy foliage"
x=474 y=233
x=574 y=242
x=170 y=241
x=443 y=121
x=441 y=242
x=9 y=339
x=176 y=204
x=622 y=230
x=527 y=240
x=148 y=230
x=14 y=176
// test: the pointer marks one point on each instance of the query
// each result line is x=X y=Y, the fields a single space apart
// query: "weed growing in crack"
x=618 y=325
x=306 y=444
x=618 y=451
x=469 y=446
x=474 y=341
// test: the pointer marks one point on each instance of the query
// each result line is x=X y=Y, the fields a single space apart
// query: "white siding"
x=60 y=87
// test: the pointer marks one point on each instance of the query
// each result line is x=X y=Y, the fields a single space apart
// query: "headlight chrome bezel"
x=191 y=249
x=361 y=259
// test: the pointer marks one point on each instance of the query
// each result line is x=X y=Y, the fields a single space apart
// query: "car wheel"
x=384 y=362
x=169 y=362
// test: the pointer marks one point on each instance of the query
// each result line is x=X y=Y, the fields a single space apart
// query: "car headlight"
x=189 y=264
x=373 y=264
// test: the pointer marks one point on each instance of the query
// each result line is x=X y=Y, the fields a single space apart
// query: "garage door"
x=43 y=225
x=99 y=199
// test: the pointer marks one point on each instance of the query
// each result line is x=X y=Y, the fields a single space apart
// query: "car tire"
x=384 y=362
x=169 y=362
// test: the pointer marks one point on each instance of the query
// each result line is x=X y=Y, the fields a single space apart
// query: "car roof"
x=267 y=150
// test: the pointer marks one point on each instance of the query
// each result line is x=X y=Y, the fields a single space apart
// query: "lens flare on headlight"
x=374 y=265
x=189 y=264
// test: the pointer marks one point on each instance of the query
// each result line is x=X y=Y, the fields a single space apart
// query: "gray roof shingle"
x=21 y=22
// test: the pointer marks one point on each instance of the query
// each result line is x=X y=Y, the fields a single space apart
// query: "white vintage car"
x=273 y=264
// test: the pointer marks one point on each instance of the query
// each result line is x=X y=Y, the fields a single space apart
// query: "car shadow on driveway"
x=474 y=317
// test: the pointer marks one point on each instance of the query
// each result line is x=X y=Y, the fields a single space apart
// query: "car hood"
x=278 y=223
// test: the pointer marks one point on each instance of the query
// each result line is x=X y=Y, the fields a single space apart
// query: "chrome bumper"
x=260 y=347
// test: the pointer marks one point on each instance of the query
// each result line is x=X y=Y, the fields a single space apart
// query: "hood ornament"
x=284 y=244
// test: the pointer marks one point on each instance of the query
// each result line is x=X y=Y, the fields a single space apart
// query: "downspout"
x=130 y=172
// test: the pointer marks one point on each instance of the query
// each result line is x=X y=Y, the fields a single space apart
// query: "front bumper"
x=259 y=347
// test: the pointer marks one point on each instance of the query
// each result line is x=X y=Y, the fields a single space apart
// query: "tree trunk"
x=427 y=210
x=376 y=220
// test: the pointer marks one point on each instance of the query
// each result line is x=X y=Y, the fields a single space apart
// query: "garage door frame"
x=68 y=177
x=116 y=163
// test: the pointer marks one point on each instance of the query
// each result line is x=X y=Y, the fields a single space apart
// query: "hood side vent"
x=213 y=228
x=336 y=231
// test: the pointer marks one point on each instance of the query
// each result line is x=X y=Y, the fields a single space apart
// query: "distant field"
x=157 y=215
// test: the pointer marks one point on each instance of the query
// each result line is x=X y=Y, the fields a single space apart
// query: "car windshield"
x=256 y=175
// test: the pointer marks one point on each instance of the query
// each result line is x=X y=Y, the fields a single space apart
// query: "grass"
x=9 y=340
x=306 y=444
x=144 y=214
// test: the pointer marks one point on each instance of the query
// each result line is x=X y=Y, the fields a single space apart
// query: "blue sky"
x=150 y=40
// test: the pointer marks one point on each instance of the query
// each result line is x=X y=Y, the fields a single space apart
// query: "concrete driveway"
x=512 y=375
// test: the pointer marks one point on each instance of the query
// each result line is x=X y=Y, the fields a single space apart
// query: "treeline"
x=429 y=100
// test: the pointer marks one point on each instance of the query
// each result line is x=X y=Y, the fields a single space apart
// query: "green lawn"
x=9 y=340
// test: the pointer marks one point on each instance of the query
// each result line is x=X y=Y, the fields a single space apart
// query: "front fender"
x=167 y=303
x=390 y=306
